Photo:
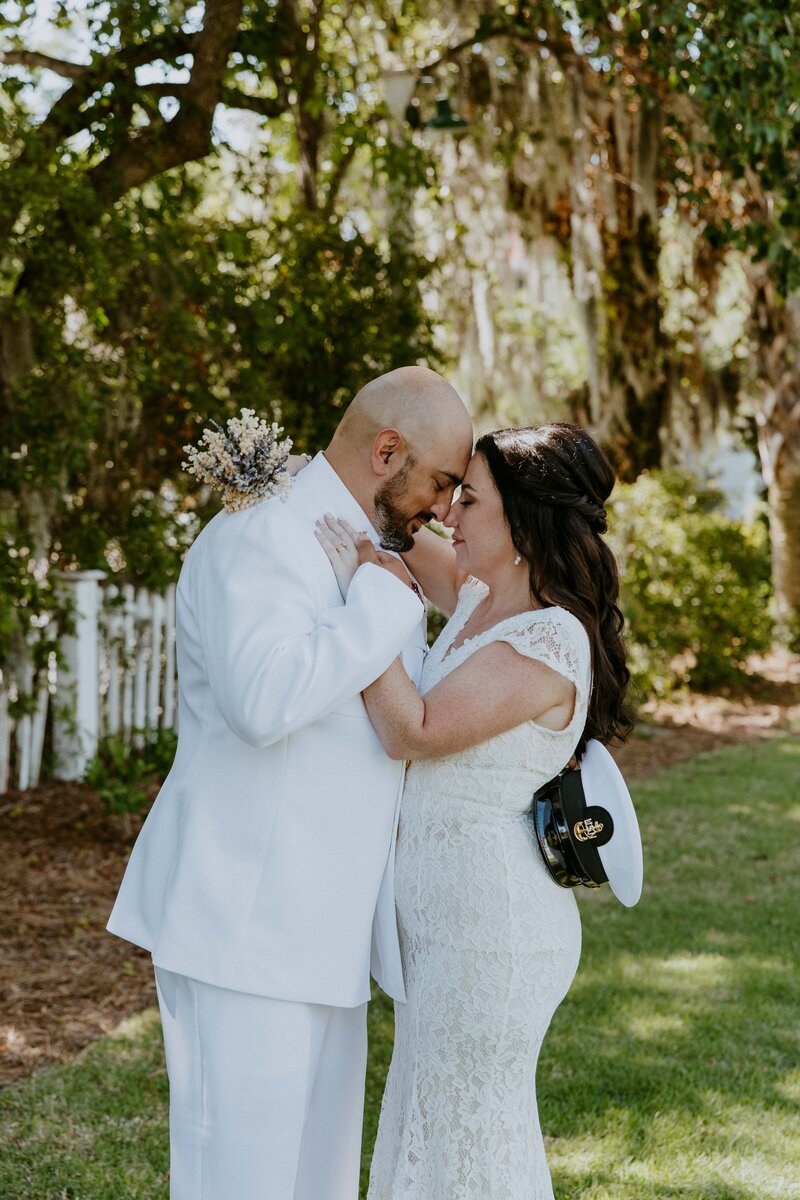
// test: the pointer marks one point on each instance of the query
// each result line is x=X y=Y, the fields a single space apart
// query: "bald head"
x=415 y=401
x=401 y=448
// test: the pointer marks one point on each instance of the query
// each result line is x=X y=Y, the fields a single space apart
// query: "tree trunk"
x=615 y=248
x=784 y=526
x=777 y=336
x=637 y=382
x=303 y=22
x=638 y=390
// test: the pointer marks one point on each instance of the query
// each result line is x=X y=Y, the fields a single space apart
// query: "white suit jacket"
x=266 y=864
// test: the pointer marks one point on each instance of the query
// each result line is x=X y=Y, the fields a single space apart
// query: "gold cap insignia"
x=587 y=831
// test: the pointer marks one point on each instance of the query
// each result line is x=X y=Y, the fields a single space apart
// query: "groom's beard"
x=391 y=520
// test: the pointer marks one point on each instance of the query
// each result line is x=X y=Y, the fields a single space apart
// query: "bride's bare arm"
x=494 y=690
x=433 y=563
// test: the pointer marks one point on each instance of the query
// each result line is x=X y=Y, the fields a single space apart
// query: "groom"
x=262 y=881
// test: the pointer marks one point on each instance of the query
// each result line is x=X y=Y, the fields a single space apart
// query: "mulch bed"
x=64 y=981
x=671 y=731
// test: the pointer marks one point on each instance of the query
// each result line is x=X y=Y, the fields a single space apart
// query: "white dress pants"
x=266 y=1096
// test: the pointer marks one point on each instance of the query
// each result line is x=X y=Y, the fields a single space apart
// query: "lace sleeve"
x=470 y=593
x=555 y=638
x=472 y=587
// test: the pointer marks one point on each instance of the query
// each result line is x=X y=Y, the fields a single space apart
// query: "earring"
x=517 y=560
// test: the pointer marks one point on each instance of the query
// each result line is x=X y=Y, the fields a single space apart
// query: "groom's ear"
x=386 y=445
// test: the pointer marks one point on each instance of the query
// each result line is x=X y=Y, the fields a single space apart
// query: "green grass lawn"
x=672 y=1069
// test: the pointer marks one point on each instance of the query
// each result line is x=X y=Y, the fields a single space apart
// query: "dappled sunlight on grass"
x=734 y=1147
x=93 y=1128
x=679 y=973
x=789 y=1086
x=140 y=1025
x=683 y=1081
x=656 y=1025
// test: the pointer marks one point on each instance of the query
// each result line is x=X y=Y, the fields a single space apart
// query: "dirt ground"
x=64 y=980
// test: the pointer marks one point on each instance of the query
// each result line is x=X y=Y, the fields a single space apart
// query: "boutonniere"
x=245 y=462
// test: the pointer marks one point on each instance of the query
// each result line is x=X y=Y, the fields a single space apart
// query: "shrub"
x=696 y=583
x=124 y=777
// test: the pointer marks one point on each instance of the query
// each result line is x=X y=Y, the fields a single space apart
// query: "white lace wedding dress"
x=490 y=943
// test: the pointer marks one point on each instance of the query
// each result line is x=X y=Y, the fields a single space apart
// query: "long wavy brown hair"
x=554 y=481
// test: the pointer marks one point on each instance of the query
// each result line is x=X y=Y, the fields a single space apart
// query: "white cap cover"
x=621 y=856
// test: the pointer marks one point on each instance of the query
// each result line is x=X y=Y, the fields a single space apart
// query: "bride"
x=529 y=666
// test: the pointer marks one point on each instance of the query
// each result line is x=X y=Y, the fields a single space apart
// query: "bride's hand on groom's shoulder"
x=347 y=550
x=340 y=542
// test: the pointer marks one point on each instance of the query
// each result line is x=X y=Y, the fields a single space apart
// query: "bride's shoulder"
x=566 y=627
x=553 y=626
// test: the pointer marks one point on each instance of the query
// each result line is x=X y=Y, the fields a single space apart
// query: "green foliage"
x=33 y=613
x=696 y=583
x=27 y=601
x=200 y=320
x=749 y=70
x=730 y=73
x=125 y=775
x=143 y=294
x=333 y=313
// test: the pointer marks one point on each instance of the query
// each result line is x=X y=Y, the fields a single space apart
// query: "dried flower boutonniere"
x=246 y=462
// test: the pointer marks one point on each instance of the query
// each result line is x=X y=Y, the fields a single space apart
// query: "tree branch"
x=561 y=48
x=161 y=89
x=162 y=146
x=187 y=137
x=33 y=58
x=342 y=167
x=266 y=106
x=66 y=116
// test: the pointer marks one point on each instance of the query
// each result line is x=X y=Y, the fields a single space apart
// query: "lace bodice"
x=528 y=755
x=490 y=943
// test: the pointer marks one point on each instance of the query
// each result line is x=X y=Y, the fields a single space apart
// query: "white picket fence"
x=117 y=675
